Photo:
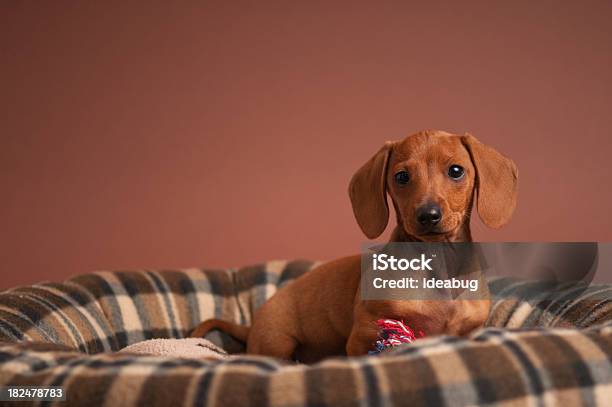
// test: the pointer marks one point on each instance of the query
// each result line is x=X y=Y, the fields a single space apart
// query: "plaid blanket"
x=542 y=346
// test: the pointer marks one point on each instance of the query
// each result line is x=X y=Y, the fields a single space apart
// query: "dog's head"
x=432 y=178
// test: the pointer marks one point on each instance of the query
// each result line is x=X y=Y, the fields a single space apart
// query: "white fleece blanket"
x=193 y=348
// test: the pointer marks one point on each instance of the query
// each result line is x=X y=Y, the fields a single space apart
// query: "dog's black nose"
x=429 y=215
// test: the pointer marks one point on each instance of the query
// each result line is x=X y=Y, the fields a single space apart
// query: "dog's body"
x=431 y=177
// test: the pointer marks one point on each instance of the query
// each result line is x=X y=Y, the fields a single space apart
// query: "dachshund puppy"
x=433 y=179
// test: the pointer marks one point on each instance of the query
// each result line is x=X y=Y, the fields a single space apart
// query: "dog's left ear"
x=496 y=182
x=368 y=193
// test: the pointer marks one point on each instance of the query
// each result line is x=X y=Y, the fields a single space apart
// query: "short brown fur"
x=321 y=314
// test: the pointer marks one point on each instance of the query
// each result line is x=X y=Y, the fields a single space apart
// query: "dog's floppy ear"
x=496 y=182
x=368 y=193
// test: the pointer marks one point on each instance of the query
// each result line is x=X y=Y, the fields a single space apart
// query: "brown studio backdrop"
x=225 y=133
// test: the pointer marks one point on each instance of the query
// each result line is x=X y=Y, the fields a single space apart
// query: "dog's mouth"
x=433 y=237
x=439 y=232
x=433 y=233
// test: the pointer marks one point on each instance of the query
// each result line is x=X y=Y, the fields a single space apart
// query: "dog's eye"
x=402 y=177
x=455 y=172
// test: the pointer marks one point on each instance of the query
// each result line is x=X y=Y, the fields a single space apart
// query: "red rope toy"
x=392 y=332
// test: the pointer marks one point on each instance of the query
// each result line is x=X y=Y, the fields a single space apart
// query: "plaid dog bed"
x=541 y=346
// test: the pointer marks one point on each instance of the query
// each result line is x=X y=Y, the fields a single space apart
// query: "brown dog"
x=432 y=178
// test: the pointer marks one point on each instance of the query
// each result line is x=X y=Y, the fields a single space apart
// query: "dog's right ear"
x=368 y=193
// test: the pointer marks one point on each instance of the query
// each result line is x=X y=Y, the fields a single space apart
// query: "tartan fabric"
x=537 y=304
x=106 y=311
x=64 y=334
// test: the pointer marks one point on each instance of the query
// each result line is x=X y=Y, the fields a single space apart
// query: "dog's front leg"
x=363 y=333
